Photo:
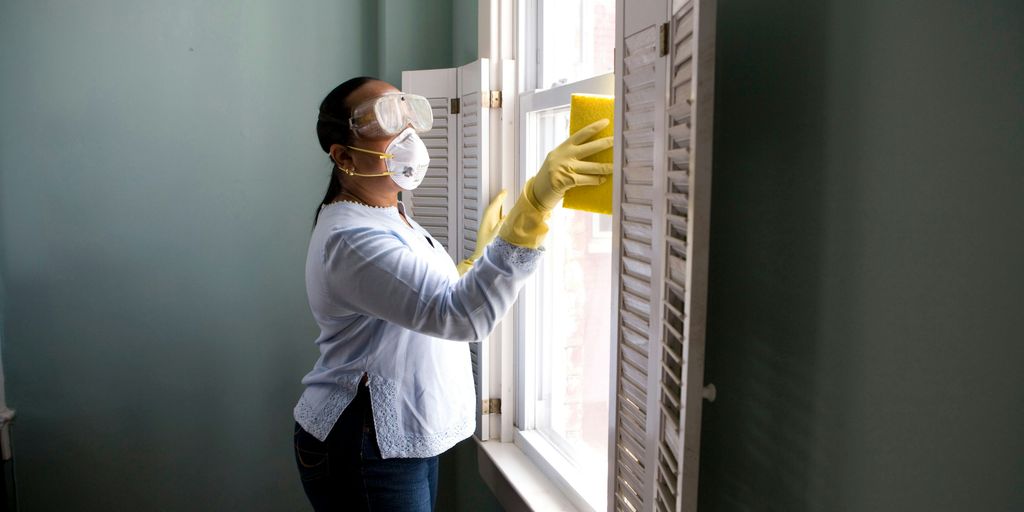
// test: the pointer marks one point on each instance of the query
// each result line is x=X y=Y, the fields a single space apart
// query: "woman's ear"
x=342 y=157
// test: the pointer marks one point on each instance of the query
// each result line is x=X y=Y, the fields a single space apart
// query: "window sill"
x=516 y=481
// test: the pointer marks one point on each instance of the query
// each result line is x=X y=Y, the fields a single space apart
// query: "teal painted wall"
x=464 y=31
x=866 y=241
x=413 y=35
x=158 y=174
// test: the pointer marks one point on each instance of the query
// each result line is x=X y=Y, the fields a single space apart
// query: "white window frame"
x=516 y=470
x=543 y=451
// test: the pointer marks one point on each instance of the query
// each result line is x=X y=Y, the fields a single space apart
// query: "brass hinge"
x=491 y=406
x=455 y=106
x=663 y=40
x=494 y=99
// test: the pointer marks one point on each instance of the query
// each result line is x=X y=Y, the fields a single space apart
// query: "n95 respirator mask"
x=406 y=158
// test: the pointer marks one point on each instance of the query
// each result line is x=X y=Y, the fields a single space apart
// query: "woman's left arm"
x=373 y=272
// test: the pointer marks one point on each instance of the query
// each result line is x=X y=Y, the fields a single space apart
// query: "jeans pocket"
x=311 y=457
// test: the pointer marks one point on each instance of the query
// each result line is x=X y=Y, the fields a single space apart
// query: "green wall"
x=865 y=297
x=414 y=35
x=464 y=31
x=158 y=174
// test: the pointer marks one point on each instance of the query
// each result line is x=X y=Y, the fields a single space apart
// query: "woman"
x=393 y=388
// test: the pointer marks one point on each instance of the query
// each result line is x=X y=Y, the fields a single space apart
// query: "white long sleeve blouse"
x=390 y=304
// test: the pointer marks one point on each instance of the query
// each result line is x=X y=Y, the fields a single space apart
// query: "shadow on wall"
x=864 y=313
x=460 y=487
x=766 y=440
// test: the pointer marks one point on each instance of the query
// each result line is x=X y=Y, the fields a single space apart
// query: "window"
x=563 y=329
x=645 y=351
x=576 y=40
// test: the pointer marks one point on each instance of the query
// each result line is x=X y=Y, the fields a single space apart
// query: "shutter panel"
x=473 y=196
x=675 y=247
x=688 y=195
x=433 y=204
x=663 y=206
x=640 y=98
x=456 y=189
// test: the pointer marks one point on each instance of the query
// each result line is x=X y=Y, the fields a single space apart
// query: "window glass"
x=571 y=328
x=576 y=40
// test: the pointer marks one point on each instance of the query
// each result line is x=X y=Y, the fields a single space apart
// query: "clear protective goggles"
x=391 y=113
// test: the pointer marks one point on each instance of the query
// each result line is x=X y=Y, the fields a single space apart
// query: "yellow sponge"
x=583 y=110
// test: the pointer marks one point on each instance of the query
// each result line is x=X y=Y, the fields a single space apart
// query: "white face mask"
x=407 y=160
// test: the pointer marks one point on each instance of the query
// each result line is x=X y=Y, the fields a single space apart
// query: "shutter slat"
x=636 y=286
x=639 y=231
x=639 y=305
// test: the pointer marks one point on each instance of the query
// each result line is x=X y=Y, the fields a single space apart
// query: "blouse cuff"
x=522 y=258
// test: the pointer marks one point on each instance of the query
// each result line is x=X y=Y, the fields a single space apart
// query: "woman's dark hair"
x=332 y=128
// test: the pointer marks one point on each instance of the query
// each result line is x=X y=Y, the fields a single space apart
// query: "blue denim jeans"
x=346 y=472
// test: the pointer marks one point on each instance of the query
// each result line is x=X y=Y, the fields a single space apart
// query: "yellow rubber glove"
x=489 y=224
x=562 y=170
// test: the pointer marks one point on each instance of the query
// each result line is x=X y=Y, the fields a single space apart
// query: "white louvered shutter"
x=456 y=189
x=434 y=203
x=688 y=200
x=662 y=261
x=639 y=100
x=473 y=196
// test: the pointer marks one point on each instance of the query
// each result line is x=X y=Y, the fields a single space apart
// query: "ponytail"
x=333 y=189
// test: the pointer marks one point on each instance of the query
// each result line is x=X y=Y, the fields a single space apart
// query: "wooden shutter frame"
x=629 y=484
x=698 y=229
x=462 y=89
x=658 y=484
x=472 y=193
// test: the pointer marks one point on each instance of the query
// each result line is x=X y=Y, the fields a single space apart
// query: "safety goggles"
x=390 y=113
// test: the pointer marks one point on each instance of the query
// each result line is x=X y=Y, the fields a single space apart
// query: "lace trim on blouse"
x=319 y=421
x=365 y=205
x=520 y=257
x=394 y=210
x=384 y=397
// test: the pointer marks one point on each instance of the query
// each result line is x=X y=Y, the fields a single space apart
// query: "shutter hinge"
x=491 y=406
x=663 y=40
x=494 y=99
x=455 y=107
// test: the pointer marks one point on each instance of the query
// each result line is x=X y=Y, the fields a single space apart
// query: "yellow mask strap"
x=382 y=156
